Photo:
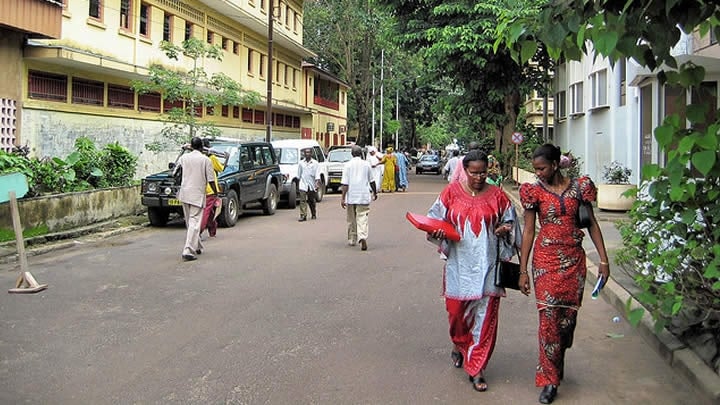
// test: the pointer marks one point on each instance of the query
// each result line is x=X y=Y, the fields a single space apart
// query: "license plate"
x=334 y=180
x=174 y=201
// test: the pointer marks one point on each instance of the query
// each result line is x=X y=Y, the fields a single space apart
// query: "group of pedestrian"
x=487 y=221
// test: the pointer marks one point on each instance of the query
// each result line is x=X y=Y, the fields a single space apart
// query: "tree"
x=193 y=90
x=674 y=236
x=455 y=40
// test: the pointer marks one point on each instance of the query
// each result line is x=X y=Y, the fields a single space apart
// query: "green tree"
x=674 y=237
x=194 y=89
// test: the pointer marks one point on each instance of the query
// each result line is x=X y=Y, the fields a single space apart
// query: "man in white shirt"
x=197 y=173
x=309 y=175
x=356 y=183
x=451 y=165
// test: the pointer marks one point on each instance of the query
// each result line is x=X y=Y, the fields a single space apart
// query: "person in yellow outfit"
x=390 y=162
x=212 y=202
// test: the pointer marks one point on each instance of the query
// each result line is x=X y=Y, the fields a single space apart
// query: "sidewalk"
x=620 y=288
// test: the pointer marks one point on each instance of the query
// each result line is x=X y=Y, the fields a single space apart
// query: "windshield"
x=339 y=155
x=287 y=156
x=431 y=158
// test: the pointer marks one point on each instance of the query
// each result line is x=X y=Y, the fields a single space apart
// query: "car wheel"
x=334 y=189
x=321 y=191
x=228 y=216
x=418 y=171
x=158 y=216
x=292 y=196
x=271 y=202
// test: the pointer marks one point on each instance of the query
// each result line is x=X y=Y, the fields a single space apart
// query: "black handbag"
x=582 y=217
x=507 y=274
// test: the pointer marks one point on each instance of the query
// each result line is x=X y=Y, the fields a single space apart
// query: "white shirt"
x=451 y=165
x=357 y=176
x=308 y=172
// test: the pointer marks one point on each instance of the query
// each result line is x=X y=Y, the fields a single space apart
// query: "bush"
x=118 y=165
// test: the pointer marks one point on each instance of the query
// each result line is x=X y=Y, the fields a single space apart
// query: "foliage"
x=194 y=89
x=674 y=235
x=616 y=173
x=85 y=168
x=436 y=135
x=9 y=234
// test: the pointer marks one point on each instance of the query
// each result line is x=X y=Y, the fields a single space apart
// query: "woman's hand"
x=524 y=283
x=604 y=270
x=438 y=234
x=503 y=229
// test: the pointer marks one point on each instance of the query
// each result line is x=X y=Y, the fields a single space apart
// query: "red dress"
x=558 y=269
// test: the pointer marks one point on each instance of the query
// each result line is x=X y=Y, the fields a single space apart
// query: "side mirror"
x=171 y=165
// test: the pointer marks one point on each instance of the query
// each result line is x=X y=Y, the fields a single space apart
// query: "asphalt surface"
x=277 y=311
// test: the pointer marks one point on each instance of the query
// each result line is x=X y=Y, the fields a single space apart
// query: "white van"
x=289 y=152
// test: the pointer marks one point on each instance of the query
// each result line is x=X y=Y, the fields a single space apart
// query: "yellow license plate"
x=174 y=201
x=334 y=180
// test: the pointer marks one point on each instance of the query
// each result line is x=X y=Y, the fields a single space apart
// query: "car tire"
x=321 y=191
x=292 y=196
x=270 y=203
x=158 y=216
x=229 y=214
x=418 y=171
x=334 y=189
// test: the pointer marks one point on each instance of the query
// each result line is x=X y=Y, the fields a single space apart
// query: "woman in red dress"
x=558 y=260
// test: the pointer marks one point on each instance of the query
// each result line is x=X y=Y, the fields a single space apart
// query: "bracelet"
x=605 y=263
x=524 y=272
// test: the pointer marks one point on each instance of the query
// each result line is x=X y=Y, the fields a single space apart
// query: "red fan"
x=430 y=225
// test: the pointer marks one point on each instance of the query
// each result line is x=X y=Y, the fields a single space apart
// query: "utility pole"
x=372 y=130
x=397 y=117
x=268 y=114
x=382 y=67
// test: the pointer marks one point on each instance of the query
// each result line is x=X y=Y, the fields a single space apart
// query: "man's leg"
x=303 y=205
x=193 y=218
x=351 y=224
x=312 y=196
x=361 y=218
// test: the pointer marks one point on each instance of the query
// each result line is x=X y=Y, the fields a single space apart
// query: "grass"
x=8 y=234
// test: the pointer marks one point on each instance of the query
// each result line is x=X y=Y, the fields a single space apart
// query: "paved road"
x=277 y=311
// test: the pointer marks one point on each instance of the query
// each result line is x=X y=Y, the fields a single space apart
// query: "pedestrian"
x=309 y=175
x=356 y=184
x=212 y=202
x=558 y=262
x=451 y=164
x=401 y=180
x=390 y=165
x=484 y=216
x=375 y=157
x=459 y=175
x=494 y=171
x=197 y=172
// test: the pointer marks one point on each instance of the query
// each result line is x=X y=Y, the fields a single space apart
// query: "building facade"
x=605 y=112
x=79 y=83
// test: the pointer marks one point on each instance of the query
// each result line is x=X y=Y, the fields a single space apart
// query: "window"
x=47 y=86
x=288 y=72
x=294 y=78
x=250 y=61
x=209 y=110
x=167 y=27
x=278 y=69
x=121 y=97
x=262 y=5
x=236 y=112
x=287 y=15
x=210 y=37
x=296 y=124
x=622 y=86
x=262 y=65
x=87 y=92
x=144 y=20
x=225 y=112
x=295 y=23
x=225 y=44
x=95 y=10
x=259 y=117
x=560 y=105
x=247 y=115
x=236 y=48
x=149 y=102
x=598 y=89
x=576 y=98
x=126 y=14
x=168 y=105
x=188 y=30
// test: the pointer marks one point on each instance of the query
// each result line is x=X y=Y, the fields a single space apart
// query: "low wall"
x=72 y=210
x=523 y=176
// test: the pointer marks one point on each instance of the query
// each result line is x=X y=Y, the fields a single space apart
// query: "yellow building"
x=79 y=84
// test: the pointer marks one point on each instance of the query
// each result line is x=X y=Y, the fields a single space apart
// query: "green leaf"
x=704 y=161
x=696 y=113
x=663 y=134
x=635 y=316
x=528 y=49
x=605 y=42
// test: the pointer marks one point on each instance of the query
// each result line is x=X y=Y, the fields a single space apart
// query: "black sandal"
x=457 y=359
x=478 y=382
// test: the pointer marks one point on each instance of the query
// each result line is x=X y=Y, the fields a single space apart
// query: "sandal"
x=457 y=359
x=478 y=382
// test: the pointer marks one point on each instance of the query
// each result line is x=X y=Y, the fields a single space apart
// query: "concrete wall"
x=72 y=210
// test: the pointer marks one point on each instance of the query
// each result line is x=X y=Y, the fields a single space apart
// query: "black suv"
x=251 y=176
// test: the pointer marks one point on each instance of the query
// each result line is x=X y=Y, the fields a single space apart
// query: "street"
x=276 y=311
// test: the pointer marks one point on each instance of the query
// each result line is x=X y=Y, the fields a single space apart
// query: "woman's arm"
x=527 y=240
x=597 y=238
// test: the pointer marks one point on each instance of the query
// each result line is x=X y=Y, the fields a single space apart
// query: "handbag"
x=582 y=216
x=507 y=274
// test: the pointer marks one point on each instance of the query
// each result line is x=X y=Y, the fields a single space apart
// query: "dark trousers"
x=307 y=198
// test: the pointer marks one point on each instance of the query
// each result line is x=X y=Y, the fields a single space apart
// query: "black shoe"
x=457 y=359
x=363 y=244
x=547 y=396
x=313 y=217
x=302 y=219
x=189 y=257
x=478 y=382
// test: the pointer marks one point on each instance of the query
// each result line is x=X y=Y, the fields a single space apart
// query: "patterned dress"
x=558 y=269
x=471 y=298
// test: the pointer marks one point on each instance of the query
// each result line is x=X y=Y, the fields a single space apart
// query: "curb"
x=674 y=352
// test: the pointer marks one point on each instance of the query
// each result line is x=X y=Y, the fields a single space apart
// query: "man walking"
x=356 y=183
x=452 y=164
x=197 y=172
x=459 y=175
x=309 y=175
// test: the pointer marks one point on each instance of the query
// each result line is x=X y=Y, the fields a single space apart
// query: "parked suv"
x=290 y=152
x=251 y=176
x=337 y=157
